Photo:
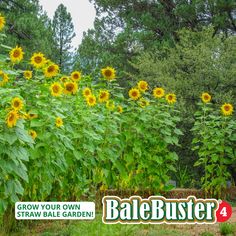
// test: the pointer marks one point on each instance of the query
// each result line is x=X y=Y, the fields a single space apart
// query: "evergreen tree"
x=27 y=26
x=63 y=29
x=124 y=28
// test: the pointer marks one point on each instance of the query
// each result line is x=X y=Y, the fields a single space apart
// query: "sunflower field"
x=63 y=136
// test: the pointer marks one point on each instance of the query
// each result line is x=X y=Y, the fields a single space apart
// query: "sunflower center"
x=143 y=86
x=75 y=76
x=170 y=97
x=55 y=89
x=69 y=87
x=103 y=95
x=134 y=94
x=11 y=117
x=87 y=92
x=206 y=97
x=16 y=104
x=108 y=73
x=227 y=108
x=38 y=59
x=16 y=53
x=158 y=92
x=51 y=69
x=91 y=100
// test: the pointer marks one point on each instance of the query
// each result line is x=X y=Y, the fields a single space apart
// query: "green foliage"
x=96 y=148
x=124 y=30
x=197 y=63
x=101 y=47
x=63 y=33
x=183 y=177
x=213 y=139
x=27 y=26
x=148 y=134
x=161 y=19
x=227 y=229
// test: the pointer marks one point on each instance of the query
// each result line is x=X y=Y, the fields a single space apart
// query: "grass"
x=207 y=234
x=94 y=228
x=97 y=228
x=227 y=229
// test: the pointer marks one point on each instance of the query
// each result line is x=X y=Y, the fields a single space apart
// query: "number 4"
x=223 y=212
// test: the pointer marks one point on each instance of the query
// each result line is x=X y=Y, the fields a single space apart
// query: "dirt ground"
x=196 y=230
x=233 y=217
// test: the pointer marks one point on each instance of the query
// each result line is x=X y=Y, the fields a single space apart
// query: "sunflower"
x=76 y=76
x=108 y=73
x=64 y=79
x=142 y=86
x=171 y=98
x=70 y=88
x=28 y=74
x=17 y=104
x=51 y=71
x=33 y=134
x=110 y=105
x=120 y=109
x=143 y=102
x=59 y=122
x=87 y=92
x=158 y=92
x=134 y=94
x=2 y=22
x=12 y=118
x=56 y=89
x=38 y=60
x=3 y=78
x=16 y=54
x=104 y=96
x=31 y=116
x=91 y=100
x=227 y=109
x=206 y=97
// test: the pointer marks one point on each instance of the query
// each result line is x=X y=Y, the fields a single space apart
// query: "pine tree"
x=27 y=26
x=124 y=28
x=63 y=29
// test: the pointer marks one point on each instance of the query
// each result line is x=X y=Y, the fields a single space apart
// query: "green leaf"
x=18 y=187
x=121 y=169
x=37 y=123
x=178 y=131
x=23 y=136
x=5 y=46
x=9 y=137
x=21 y=153
x=21 y=171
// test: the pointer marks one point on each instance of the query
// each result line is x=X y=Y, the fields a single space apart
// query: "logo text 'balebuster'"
x=157 y=210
